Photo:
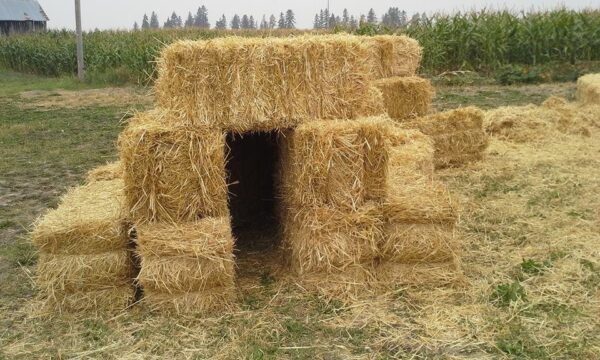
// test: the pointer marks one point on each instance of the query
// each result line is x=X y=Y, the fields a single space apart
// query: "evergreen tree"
x=154 y=24
x=252 y=22
x=345 y=18
x=281 y=22
x=136 y=27
x=245 y=22
x=290 y=19
x=235 y=22
x=175 y=20
x=331 y=24
x=221 y=23
x=190 y=20
x=371 y=17
x=263 y=23
x=145 y=23
x=415 y=20
x=272 y=21
x=201 y=19
x=317 y=22
x=363 y=20
x=353 y=24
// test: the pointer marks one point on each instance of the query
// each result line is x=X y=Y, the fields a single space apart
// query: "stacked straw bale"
x=85 y=260
x=419 y=213
x=187 y=267
x=406 y=98
x=588 y=89
x=393 y=55
x=333 y=180
x=172 y=172
x=458 y=135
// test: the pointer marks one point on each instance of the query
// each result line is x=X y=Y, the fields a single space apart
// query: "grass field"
x=529 y=225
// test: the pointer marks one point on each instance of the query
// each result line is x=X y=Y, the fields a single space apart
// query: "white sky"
x=115 y=14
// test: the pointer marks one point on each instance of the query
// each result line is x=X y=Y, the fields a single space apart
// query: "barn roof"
x=21 y=10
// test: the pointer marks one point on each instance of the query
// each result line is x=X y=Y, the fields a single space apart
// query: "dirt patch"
x=41 y=99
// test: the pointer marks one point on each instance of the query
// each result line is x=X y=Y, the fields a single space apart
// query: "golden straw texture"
x=406 y=97
x=110 y=299
x=393 y=55
x=458 y=135
x=89 y=219
x=217 y=300
x=172 y=172
x=259 y=84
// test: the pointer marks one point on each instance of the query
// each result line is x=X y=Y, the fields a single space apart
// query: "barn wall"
x=19 y=27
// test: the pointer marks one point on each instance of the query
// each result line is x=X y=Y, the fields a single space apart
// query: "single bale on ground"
x=458 y=135
x=172 y=172
x=406 y=97
x=110 y=171
x=393 y=55
x=179 y=260
x=588 y=89
x=90 y=219
x=261 y=84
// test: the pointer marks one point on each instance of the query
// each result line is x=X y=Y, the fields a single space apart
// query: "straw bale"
x=419 y=243
x=90 y=219
x=406 y=97
x=261 y=84
x=393 y=55
x=208 y=238
x=110 y=171
x=216 y=299
x=411 y=152
x=327 y=239
x=71 y=273
x=455 y=133
x=588 y=89
x=172 y=172
x=176 y=274
x=418 y=199
x=109 y=299
x=354 y=281
x=335 y=163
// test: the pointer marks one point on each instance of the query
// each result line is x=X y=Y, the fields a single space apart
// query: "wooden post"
x=80 y=64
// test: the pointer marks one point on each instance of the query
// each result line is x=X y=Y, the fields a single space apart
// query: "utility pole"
x=80 y=64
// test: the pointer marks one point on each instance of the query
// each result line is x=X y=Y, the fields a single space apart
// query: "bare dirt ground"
x=531 y=258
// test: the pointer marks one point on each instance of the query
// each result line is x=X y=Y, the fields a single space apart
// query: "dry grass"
x=110 y=171
x=40 y=99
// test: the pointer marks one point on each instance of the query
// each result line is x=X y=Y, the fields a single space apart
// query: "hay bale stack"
x=186 y=267
x=85 y=261
x=260 y=84
x=588 y=89
x=419 y=214
x=393 y=55
x=458 y=135
x=172 y=172
x=109 y=171
x=333 y=180
x=406 y=98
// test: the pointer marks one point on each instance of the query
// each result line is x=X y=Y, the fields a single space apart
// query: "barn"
x=21 y=16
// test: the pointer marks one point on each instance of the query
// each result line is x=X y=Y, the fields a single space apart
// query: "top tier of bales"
x=260 y=84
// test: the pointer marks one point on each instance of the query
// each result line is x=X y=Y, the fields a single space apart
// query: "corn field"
x=479 y=41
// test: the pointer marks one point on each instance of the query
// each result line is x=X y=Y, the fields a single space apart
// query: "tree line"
x=286 y=20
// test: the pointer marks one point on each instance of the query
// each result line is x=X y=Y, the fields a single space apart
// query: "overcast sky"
x=116 y=14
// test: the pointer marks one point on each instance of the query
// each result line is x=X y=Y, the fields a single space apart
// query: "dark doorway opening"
x=252 y=167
